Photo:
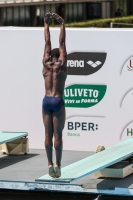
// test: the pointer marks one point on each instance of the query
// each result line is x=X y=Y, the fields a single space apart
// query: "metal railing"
x=125 y=24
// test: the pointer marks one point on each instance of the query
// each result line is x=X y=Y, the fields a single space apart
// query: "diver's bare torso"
x=55 y=75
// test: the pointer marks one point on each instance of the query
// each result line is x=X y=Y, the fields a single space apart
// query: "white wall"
x=22 y=87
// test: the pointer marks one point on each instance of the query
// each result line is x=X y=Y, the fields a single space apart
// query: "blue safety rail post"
x=93 y=163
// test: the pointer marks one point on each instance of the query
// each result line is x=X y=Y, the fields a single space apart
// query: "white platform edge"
x=38 y=186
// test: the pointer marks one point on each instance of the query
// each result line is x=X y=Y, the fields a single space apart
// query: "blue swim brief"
x=52 y=103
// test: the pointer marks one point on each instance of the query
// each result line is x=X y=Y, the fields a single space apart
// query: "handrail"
x=111 y=24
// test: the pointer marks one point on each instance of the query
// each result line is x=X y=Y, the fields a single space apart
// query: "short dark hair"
x=55 y=53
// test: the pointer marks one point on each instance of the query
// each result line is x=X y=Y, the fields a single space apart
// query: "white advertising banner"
x=98 y=93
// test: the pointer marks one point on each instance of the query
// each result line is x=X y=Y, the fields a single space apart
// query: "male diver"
x=53 y=109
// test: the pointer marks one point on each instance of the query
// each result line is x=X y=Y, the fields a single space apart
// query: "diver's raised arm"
x=62 y=37
x=47 y=48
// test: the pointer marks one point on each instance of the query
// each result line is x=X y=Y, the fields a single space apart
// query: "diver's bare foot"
x=58 y=18
x=57 y=171
x=48 y=18
x=51 y=171
x=100 y=148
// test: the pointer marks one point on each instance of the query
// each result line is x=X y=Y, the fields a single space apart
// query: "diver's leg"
x=47 y=119
x=58 y=125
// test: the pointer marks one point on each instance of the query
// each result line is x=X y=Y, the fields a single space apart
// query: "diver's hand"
x=48 y=18
x=58 y=18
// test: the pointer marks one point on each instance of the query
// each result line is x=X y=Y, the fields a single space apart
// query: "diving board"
x=14 y=142
x=93 y=163
x=9 y=136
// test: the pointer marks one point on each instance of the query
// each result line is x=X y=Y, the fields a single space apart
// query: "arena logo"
x=85 y=63
x=83 y=96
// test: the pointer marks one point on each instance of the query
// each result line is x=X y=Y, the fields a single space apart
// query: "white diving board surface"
x=93 y=163
x=10 y=136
